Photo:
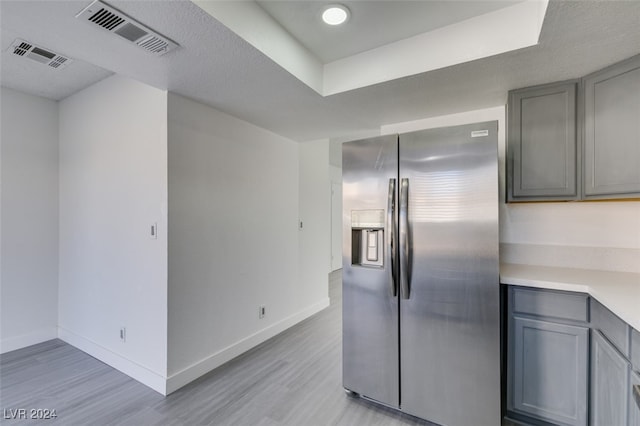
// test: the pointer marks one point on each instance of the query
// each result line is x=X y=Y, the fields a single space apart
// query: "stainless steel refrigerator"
x=421 y=308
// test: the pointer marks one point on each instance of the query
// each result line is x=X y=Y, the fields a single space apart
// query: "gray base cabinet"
x=634 y=391
x=634 y=400
x=611 y=355
x=550 y=366
x=609 y=383
x=635 y=349
x=548 y=358
x=570 y=361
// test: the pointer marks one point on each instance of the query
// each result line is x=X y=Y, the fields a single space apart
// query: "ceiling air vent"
x=38 y=53
x=114 y=21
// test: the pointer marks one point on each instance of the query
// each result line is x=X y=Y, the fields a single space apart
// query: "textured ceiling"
x=372 y=23
x=32 y=77
x=220 y=69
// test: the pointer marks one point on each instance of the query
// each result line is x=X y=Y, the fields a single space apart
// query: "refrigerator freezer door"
x=450 y=329
x=370 y=307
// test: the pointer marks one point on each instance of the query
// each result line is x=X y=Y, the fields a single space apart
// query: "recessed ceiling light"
x=335 y=14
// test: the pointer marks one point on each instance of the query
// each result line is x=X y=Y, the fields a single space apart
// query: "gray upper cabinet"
x=578 y=139
x=542 y=143
x=612 y=131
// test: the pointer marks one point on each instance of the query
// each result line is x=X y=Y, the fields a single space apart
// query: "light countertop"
x=618 y=291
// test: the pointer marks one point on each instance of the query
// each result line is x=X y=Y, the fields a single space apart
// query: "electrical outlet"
x=123 y=334
x=262 y=310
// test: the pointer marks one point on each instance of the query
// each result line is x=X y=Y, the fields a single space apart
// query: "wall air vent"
x=40 y=54
x=114 y=21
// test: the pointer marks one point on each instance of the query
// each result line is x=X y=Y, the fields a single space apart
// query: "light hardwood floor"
x=291 y=379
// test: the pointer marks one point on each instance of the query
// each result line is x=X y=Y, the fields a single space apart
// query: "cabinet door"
x=609 y=383
x=612 y=131
x=542 y=143
x=634 y=400
x=549 y=371
x=635 y=349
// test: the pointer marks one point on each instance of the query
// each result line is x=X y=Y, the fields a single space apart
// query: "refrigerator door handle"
x=392 y=240
x=404 y=239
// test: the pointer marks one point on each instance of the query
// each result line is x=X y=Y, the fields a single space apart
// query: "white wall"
x=592 y=235
x=315 y=213
x=233 y=239
x=597 y=235
x=29 y=220
x=113 y=187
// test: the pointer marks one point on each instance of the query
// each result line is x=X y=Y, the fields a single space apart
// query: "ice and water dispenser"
x=367 y=238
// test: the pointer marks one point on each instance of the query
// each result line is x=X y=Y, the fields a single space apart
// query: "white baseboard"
x=136 y=371
x=189 y=374
x=18 y=342
x=150 y=378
